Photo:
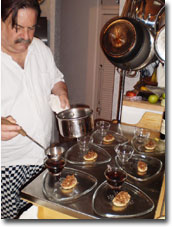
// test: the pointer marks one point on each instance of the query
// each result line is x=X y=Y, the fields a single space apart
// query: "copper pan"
x=127 y=43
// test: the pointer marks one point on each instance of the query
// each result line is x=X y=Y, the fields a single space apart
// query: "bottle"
x=162 y=131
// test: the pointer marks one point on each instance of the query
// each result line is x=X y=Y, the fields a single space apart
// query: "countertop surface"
x=144 y=105
x=82 y=207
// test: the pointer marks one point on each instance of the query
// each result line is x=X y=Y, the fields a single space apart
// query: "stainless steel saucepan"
x=75 y=122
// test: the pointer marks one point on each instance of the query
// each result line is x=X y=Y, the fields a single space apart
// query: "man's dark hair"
x=12 y=6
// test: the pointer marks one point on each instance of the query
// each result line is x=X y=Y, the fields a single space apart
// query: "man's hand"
x=60 y=89
x=64 y=101
x=9 y=131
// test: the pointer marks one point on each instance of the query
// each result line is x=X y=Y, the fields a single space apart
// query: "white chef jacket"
x=25 y=96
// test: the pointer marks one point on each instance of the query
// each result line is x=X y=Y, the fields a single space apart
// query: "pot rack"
x=129 y=11
x=120 y=95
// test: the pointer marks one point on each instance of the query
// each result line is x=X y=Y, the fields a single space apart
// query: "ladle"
x=21 y=131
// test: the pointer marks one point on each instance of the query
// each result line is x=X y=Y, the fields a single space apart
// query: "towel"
x=54 y=103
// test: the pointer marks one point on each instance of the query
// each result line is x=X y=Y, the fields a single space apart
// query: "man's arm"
x=60 y=89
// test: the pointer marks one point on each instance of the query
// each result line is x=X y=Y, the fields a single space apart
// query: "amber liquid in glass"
x=115 y=179
x=55 y=167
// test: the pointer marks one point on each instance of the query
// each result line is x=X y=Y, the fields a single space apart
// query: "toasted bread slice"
x=150 y=145
x=108 y=138
x=121 y=199
x=90 y=156
x=142 y=167
x=141 y=173
x=69 y=182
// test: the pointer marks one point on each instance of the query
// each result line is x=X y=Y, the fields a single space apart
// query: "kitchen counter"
x=144 y=105
x=142 y=113
x=81 y=208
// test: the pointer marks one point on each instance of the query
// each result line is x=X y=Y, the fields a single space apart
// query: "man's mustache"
x=21 y=40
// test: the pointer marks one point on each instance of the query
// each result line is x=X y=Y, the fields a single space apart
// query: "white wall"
x=69 y=33
x=74 y=46
x=52 y=10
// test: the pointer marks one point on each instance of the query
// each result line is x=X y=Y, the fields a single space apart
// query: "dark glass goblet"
x=115 y=177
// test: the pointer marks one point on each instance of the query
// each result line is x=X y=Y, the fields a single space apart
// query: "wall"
x=45 y=8
x=69 y=34
x=74 y=46
x=52 y=10
x=45 y=12
x=69 y=43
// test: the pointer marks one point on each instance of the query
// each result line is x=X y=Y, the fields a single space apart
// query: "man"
x=28 y=77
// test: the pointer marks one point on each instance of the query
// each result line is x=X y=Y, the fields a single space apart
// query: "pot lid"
x=118 y=38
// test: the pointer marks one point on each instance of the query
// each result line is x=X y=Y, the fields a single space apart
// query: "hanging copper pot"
x=127 y=43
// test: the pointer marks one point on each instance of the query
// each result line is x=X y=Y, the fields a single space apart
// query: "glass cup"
x=54 y=161
x=115 y=177
x=141 y=135
x=55 y=167
x=84 y=142
x=124 y=152
x=103 y=127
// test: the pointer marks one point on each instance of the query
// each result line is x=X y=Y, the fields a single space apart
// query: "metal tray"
x=154 y=167
x=53 y=191
x=98 y=138
x=75 y=156
x=140 y=204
